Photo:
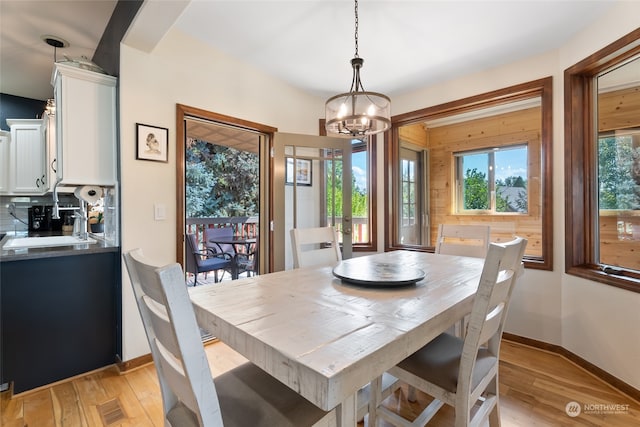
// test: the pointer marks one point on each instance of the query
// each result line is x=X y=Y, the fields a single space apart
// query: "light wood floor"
x=535 y=387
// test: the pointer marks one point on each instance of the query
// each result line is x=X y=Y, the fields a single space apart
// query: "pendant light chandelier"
x=357 y=113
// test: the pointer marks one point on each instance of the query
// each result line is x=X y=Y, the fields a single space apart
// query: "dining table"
x=326 y=335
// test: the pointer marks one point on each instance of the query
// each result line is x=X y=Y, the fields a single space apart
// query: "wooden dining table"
x=326 y=338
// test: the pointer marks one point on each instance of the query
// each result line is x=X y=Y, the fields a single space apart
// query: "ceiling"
x=405 y=44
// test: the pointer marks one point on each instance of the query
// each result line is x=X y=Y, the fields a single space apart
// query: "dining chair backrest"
x=315 y=246
x=175 y=342
x=463 y=240
x=503 y=266
x=222 y=233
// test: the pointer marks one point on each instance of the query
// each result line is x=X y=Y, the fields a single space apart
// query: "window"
x=602 y=166
x=483 y=160
x=492 y=181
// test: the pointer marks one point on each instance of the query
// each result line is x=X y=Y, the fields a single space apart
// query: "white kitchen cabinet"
x=5 y=160
x=27 y=157
x=51 y=158
x=86 y=135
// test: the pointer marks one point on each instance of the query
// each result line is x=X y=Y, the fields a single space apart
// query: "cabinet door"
x=5 y=147
x=51 y=156
x=28 y=171
x=85 y=126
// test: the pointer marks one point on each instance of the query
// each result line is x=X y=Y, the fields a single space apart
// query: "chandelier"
x=357 y=113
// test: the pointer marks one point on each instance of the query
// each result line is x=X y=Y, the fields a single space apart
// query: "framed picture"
x=152 y=143
x=302 y=171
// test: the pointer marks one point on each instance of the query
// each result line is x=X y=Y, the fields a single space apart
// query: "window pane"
x=511 y=180
x=360 y=196
x=619 y=199
x=475 y=187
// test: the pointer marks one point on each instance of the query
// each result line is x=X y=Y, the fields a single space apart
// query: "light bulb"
x=371 y=111
x=342 y=111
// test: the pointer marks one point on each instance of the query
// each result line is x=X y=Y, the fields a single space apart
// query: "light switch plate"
x=159 y=211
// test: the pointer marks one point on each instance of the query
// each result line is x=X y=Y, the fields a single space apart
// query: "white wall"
x=181 y=70
x=595 y=321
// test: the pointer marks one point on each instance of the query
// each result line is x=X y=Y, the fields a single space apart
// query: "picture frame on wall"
x=152 y=143
x=303 y=171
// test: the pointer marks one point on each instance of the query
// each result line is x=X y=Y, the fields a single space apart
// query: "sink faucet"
x=56 y=207
x=80 y=214
x=80 y=222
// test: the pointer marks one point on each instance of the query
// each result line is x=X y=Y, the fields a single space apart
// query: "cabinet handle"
x=44 y=182
x=53 y=165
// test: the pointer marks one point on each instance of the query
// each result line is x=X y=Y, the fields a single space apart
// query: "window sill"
x=595 y=274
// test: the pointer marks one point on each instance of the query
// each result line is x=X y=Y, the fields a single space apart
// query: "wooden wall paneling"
x=619 y=109
x=497 y=131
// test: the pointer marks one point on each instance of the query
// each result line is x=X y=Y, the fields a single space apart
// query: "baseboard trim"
x=145 y=359
x=599 y=373
x=132 y=364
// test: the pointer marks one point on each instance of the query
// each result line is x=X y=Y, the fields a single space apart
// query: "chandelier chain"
x=356 y=32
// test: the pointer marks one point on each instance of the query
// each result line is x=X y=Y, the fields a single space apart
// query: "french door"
x=311 y=188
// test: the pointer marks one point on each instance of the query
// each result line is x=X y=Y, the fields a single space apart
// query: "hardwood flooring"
x=535 y=388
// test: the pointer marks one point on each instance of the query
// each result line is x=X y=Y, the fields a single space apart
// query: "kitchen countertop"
x=101 y=245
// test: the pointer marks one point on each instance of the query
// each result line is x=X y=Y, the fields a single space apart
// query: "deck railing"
x=247 y=226
x=244 y=226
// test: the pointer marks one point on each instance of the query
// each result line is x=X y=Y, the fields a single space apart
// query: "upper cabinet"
x=25 y=153
x=5 y=160
x=86 y=136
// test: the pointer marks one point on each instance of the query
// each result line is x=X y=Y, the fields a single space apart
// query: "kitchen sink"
x=43 y=242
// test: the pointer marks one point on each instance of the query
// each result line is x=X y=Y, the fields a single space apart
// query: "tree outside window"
x=494 y=180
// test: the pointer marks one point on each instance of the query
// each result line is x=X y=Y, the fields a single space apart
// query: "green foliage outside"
x=619 y=173
x=359 y=206
x=221 y=181
x=476 y=192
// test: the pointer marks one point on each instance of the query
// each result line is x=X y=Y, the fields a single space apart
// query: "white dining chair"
x=463 y=373
x=463 y=239
x=314 y=246
x=243 y=396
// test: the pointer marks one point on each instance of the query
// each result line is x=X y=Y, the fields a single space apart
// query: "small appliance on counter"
x=40 y=218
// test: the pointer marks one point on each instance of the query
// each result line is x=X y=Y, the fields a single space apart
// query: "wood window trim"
x=581 y=202
x=542 y=88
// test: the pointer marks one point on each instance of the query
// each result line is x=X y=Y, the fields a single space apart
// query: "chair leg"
x=494 y=415
x=412 y=394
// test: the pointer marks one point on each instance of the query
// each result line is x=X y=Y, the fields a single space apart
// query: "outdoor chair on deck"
x=247 y=262
x=243 y=396
x=203 y=262
x=212 y=235
x=464 y=372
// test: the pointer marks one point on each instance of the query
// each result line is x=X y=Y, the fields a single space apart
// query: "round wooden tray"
x=364 y=272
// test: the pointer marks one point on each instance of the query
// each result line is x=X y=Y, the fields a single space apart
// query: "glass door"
x=312 y=188
x=414 y=217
